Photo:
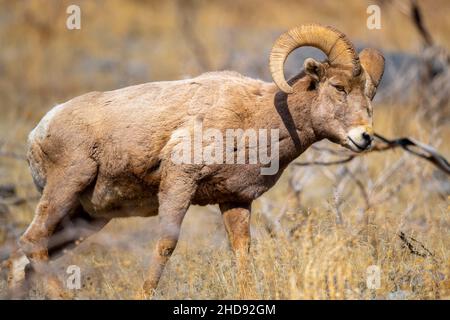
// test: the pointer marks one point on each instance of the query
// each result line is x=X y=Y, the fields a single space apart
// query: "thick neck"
x=291 y=114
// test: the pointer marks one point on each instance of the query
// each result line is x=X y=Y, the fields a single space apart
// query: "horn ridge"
x=332 y=42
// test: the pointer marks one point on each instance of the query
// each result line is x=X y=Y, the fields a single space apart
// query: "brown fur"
x=105 y=155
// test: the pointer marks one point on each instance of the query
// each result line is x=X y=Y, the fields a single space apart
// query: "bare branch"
x=361 y=187
x=416 y=16
x=426 y=152
x=325 y=163
x=410 y=242
x=408 y=144
x=12 y=155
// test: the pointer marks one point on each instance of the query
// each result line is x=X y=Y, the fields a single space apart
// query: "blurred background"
x=319 y=229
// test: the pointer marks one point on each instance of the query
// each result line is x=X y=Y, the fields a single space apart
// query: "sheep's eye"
x=339 y=87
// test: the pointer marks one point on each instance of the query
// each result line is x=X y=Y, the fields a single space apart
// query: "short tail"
x=35 y=161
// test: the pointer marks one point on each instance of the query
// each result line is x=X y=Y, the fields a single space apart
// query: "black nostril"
x=366 y=136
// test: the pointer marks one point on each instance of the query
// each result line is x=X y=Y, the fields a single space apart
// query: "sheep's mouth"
x=357 y=145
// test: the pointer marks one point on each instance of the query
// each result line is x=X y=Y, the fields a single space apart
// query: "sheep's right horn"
x=372 y=62
x=332 y=42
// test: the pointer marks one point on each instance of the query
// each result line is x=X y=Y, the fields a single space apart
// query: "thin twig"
x=325 y=163
x=361 y=187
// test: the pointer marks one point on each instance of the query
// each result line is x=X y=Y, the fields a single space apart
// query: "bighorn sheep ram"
x=108 y=154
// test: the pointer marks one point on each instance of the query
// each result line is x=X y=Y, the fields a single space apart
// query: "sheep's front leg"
x=174 y=197
x=236 y=217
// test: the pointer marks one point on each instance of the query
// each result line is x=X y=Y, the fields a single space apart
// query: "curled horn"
x=332 y=42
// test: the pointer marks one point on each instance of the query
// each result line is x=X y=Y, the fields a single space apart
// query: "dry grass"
x=334 y=222
x=316 y=256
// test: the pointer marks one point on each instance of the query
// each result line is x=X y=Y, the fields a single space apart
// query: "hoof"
x=17 y=282
x=55 y=291
x=147 y=292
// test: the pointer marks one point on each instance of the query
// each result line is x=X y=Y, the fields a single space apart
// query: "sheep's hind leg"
x=236 y=217
x=59 y=199
x=69 y=233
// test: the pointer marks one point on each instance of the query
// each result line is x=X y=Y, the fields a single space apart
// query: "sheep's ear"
x=314 y=68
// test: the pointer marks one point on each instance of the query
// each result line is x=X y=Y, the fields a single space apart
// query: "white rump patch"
x=40 y=131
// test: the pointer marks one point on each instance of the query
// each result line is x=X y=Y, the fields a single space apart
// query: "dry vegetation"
x=315 y=233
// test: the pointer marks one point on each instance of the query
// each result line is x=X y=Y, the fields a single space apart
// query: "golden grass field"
x=329 y=224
